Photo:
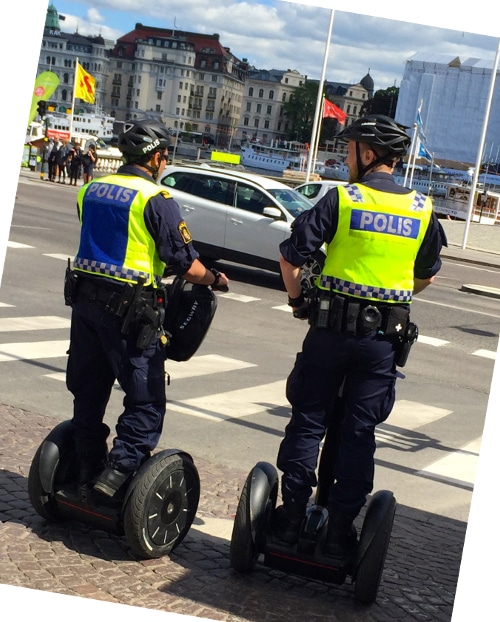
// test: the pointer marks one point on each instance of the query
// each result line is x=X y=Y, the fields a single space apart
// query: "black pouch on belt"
x=351 y=317
x=337 y=313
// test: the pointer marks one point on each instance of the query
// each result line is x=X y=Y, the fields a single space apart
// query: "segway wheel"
x=373 y=546
x=255 y=506
x=161 y=504
x=52 y=467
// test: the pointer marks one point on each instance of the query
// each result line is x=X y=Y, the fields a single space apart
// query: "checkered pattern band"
x=107 y=269
x=356 y=197
x=365 y=291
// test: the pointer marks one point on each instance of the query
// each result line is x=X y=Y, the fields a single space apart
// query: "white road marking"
x=238 y=297
x=33 y=350
x=18 y=245
x=458 y=467
x=40 y=322
x=234 y=404
x=488 y=354
x=432 y=341
x=57 y=256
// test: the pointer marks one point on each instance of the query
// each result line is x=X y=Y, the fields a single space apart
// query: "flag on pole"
x=45 y=85
x=420 y=126
x=424 y=153
x=332 y=111
x=84 y=85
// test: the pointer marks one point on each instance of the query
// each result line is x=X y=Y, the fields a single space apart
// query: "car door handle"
x=236 y=221
x=188 y=208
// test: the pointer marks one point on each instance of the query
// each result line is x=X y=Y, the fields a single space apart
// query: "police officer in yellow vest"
x=383 y=243
x=131 y=230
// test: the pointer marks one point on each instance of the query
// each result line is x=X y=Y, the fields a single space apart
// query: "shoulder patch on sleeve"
x=184 y=231
x=166 y=194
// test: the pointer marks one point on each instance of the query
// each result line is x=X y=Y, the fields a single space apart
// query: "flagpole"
x=319 y=100
x=481 y=146
x=73 y=100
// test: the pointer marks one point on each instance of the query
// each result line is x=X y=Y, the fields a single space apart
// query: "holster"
x=406 y=342
x=70 y=281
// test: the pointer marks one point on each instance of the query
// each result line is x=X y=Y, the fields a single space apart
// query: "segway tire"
x=52 y=466
x=373 y=546
x=161 y=504
x=255 y=506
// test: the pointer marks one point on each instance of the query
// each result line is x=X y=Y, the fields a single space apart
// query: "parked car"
x=316 y=190
x=238 y=216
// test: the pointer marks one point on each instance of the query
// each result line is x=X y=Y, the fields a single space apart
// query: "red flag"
x=333 y=111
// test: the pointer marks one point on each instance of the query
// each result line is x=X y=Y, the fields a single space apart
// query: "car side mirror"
x=274 y=213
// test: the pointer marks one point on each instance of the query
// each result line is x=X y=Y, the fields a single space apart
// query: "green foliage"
x=382 y=102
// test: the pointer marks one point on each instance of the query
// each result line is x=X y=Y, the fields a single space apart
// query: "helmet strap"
x=379 y=159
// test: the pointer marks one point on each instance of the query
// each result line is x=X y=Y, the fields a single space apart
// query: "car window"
x=250 y=199
x=310 y=190
x=292 y=200
x=204 y=186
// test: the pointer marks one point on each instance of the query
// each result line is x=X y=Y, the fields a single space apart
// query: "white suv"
x=237 y=216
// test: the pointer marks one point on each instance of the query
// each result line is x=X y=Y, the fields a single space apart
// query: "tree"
x=383 y=102
x=300 y=111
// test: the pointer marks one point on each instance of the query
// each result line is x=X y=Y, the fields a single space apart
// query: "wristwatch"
x=216 y=274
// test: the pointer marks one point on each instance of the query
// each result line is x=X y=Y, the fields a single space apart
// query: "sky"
x=273 y=34
x=283 y=35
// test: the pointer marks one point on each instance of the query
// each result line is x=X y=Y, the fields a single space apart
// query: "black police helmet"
x=140 y=138
x=381 y=130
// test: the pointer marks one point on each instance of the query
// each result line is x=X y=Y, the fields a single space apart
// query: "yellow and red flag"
x=84 y=85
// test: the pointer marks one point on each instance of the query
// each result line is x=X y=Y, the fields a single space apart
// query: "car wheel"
x=311 y=270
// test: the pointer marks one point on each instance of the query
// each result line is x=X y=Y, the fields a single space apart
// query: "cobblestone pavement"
x=418 y=583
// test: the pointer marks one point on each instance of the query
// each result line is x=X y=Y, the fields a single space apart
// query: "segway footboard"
x=306 y=557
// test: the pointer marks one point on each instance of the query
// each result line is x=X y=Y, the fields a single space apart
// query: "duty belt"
x=114 y=297
x=357 y=317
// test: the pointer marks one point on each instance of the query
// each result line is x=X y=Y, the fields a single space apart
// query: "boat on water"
x=455 y=204
x=56 y=125
x=273 y=157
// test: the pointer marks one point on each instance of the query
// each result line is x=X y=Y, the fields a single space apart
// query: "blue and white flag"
x=420 y=126
x=424 y=153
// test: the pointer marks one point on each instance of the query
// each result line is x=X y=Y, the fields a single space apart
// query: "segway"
x=154 y=512
x=252 y=535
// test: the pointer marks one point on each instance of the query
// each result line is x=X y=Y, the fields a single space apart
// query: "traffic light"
x=42 y=108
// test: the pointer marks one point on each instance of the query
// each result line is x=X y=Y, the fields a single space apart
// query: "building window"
x=249 y=107
x=266 y=124
x=250 y=92
x=256 y=123
x=269 y=110
x=246 y=121
x=271 y=94
x=283 y=99
x=259 y=108
x=261 y=93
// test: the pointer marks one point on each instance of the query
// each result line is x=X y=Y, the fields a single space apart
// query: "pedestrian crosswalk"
x=244 y=402
x=219 y=406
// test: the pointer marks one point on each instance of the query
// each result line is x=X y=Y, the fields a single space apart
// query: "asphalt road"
x=227 y=408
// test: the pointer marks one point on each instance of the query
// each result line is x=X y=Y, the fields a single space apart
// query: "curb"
x=482 y=290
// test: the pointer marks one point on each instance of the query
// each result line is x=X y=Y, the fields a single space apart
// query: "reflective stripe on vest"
x=378 y=237
x=114 y=239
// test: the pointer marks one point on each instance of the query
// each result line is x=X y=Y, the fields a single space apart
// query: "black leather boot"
x=111 y=480
x=92 y=451
x=286 y=522
x=341 y=535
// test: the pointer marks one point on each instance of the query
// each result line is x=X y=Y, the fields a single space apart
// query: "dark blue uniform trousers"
x=98 y=356
x=327 y=358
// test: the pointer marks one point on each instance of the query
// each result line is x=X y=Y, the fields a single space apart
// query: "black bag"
x=189 y=311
